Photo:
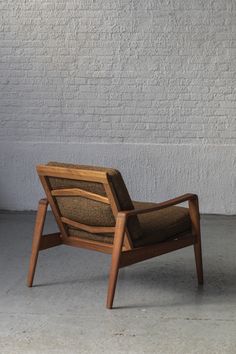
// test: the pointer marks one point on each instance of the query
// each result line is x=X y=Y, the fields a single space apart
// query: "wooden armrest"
x=181 y=199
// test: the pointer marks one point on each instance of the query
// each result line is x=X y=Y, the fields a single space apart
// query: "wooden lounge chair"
x=93 y=210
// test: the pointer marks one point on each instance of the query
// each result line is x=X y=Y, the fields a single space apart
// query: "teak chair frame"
x=122 y=250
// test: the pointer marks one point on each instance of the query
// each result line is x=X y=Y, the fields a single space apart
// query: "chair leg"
x=195 y=218
x=38 y=229
x=198 y=260
x=117 y=247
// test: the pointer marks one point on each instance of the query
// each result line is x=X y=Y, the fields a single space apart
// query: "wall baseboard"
x=151 y=172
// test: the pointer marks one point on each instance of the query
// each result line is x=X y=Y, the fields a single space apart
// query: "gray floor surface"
x=158 y=305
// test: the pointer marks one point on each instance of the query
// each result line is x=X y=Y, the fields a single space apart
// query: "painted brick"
x=118 y=71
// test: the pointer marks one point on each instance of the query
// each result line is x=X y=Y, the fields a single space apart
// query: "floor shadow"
x=178 y=282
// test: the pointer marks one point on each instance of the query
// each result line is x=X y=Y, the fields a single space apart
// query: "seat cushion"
x=158 y=226
x=163 y=224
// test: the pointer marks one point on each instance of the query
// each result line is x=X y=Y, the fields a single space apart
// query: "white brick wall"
x=119 y=71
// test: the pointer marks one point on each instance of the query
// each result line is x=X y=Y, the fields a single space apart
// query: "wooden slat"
x=88 y=228
x=64 y=192
x=72 y=173
x=142 y=253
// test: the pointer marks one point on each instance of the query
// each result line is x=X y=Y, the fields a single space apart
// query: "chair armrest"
x=181 y=199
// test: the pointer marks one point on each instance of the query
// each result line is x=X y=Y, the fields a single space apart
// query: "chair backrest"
x=85 y=201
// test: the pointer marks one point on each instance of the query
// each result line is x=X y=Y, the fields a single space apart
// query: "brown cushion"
x=93 y=212
x=157 y=226
x=163 y=224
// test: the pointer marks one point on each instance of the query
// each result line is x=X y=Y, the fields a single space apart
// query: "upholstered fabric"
x=157 y=226
x=107 y=238
x=163 y=224
x=93 y=212
x=145 y=229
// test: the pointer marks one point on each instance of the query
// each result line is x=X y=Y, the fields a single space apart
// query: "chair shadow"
x=174 y=279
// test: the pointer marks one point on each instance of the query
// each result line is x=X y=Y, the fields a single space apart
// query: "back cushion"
x=92 y=212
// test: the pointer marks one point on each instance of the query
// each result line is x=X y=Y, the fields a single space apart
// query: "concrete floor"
x=158 y=306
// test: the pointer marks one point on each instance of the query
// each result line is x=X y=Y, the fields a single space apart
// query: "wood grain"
x=77 y=192
x=122 y=250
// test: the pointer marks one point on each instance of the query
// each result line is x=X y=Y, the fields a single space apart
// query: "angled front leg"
x=117 y=247
x=38 y=229
x=195 y=218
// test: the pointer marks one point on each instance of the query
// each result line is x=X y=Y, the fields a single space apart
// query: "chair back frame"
x=102 y=177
